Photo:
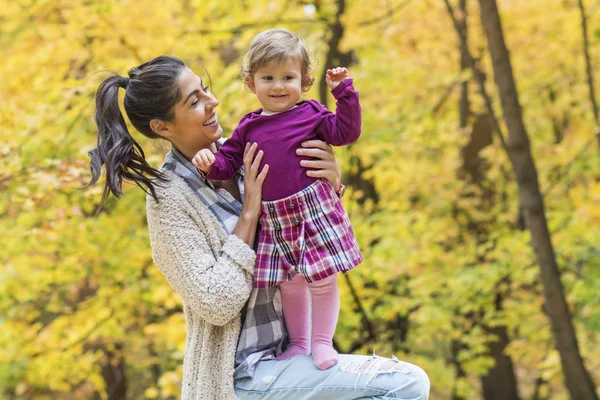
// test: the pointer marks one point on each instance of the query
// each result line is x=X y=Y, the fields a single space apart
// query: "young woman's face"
x=278 y=85
x=195 y=125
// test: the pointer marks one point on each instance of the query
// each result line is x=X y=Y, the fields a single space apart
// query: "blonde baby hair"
x=277 y=45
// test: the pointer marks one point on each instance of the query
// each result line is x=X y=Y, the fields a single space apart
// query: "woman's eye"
x=195 y=102
x=205 y=89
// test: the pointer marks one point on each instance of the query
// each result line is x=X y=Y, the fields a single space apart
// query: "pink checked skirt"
x=307 y=233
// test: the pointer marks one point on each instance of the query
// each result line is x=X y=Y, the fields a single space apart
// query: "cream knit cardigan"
x=212 y=272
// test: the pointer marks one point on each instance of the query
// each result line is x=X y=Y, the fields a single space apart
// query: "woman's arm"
x=212 y=278
x=253 y=181
x=325 y=166
x=216 y=282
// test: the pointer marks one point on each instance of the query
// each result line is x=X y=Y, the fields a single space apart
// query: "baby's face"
x=278 y=85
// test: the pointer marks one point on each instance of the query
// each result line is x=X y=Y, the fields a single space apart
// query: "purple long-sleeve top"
x=279 y=136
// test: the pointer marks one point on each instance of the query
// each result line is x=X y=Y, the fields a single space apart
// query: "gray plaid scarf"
x=263 y=331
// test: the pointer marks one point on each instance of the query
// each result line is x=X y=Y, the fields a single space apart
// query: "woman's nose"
x=212 y=103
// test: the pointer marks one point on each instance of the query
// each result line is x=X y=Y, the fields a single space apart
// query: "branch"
x=364 y=317
x=478 y=75
x=71 y=127
x=389 y=13
x=337 y=31
x=588 y=69
x=78 y=341
x=6 y=179
x=50 y=121
x=445 y=96
x=239 y=28
x=564 y=169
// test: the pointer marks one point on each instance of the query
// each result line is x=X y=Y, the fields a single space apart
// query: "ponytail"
x=151 y=92
x=122 y=157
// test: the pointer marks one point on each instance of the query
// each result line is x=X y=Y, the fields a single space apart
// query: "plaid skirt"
x=307 y=233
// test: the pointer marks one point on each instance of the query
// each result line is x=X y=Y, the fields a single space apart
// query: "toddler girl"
x=305 y=236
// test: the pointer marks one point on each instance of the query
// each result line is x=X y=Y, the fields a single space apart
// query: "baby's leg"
x=294 y=298
x=326 y=307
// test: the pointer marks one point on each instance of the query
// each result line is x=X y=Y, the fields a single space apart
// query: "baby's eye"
x=268 y=78
x=288 y=78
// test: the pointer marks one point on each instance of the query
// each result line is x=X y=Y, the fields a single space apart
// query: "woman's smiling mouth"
x=211 y=120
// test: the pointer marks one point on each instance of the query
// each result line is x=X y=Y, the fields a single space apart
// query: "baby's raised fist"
x=203 y=160
x=335 y=76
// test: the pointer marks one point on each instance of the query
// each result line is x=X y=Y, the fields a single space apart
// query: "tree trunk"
x=337 y=31
x=588 y=70
x=112 y=366
x=356 y=180
x=113 y=372
x=464 y=105
x=456 y=347
x=500 y=382
x=464 y=111
x=578 y=380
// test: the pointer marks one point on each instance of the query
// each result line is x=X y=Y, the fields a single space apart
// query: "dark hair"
x=151 y=92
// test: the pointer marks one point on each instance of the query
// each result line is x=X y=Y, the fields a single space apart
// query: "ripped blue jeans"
x=354 y=377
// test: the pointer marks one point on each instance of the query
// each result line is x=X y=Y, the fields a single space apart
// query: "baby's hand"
x=335 y=76
x=203 y=160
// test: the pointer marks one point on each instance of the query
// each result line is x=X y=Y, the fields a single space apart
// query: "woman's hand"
x=245 y=229
x=253 y=179
x=325 y=166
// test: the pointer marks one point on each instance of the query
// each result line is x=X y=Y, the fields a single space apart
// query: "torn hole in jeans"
x=374 y=366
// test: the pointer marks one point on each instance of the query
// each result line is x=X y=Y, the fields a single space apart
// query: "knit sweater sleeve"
x=212 y=277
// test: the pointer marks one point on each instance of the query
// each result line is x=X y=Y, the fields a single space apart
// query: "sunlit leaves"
x=437 y=248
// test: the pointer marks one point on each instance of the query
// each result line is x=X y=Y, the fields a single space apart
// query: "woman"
x=202 y=236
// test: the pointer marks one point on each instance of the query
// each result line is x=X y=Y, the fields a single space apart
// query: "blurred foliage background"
x=450 y=280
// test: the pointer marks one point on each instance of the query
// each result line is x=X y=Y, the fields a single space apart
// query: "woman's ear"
x=249 y=83
x=161 y=127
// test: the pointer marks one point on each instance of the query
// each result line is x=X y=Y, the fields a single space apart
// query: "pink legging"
x=325 y=310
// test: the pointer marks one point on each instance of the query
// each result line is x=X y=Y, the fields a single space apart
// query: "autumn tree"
x=577 y=378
